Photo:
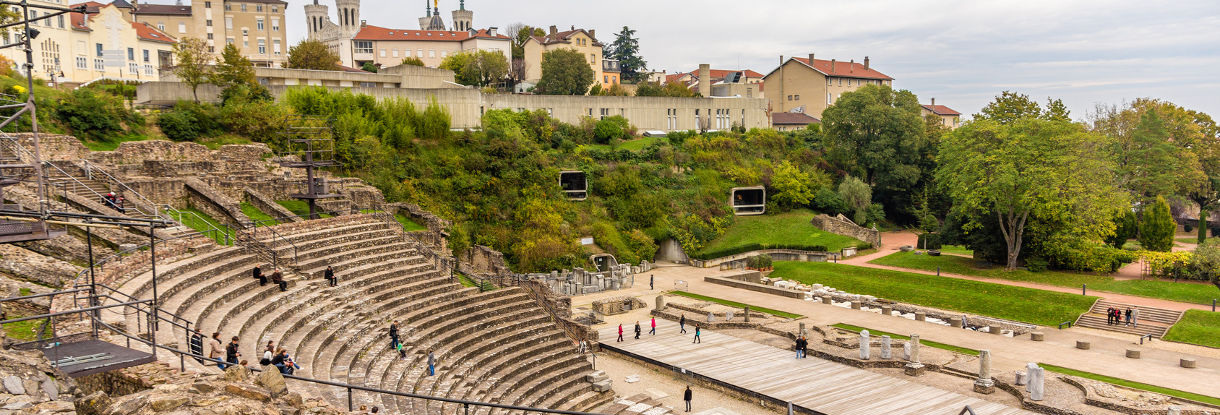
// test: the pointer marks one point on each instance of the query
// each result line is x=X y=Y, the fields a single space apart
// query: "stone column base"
x=914 y=369
x=984 y=386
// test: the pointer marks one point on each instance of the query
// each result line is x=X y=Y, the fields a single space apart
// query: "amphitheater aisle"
x=1158 y=365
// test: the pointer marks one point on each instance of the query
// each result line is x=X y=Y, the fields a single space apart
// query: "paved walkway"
x=1158 y=365
x=891 y=241
x=816 y=384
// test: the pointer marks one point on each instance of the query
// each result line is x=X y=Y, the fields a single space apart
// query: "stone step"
x=1146 y=314
x=1098 y=321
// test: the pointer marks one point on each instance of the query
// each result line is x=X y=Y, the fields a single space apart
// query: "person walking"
x=682 y=324
x=1128 y=316
x=330 y=276
x=214 y=353
x=654 y=327
x=197 y=346
x=686 y=396
x=620 y=333
x=697 y=339
x=650 y=281
x=431 y=363
x=1109 y=316
x=637 y=330
x=804 y=347
x=231 y=352
x=800 y=346
x=394 y=335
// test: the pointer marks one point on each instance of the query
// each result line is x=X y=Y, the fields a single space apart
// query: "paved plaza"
x=812 y=383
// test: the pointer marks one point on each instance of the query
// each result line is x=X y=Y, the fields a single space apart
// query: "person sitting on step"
x=258 y=275
x=278 y=278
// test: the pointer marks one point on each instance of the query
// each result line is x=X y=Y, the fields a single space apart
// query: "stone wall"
x=738 y=261
x=220 y=207
x=483 y=261
x=53 y=146
x=840 y=225
x=268 y=206
x=738 y=283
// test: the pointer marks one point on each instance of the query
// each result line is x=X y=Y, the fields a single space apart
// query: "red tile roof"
x=792 y=118
x=146 y=32
x=716 y=74
x=562 y=37
x=844 y=69
x=941 y=110
x=78 y=19
x=370 y=32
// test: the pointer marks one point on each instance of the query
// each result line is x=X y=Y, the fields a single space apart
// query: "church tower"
x=315 y=16
x=462 y=18
x=433 y=20
x=349 y=16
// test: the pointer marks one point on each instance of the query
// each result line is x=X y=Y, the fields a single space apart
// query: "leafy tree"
x=486 y=67
x=234 y=75
x=792 y=188
x=564 y=72
x=1125 y=228
x=521 y=34
x=626 y=49
x=193 y=58
x=369 y=67
x=1056 y=111
x=312 y=54
x=879 y=135
x=1010 y=107
x=858 y=196
x=1158 y=227
x=648 y=89
x=413 y=61
x=1206 y=261
x=457 y=63
x=616 y=90
x=1029 y=168
x=1154 y=165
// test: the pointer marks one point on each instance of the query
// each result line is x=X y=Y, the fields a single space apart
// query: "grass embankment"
x=468 y=282
x=735 y=304
x=299 y=208
x=202 y=222
x=956 y=250
x=408 y=224
x=1132 y=384
x=111 y=145
x=922 y=341
x=257 y=215
x=790 y=229
x=26 y=330
x=983 y=298
x=1197 y=327
x=1166 y=290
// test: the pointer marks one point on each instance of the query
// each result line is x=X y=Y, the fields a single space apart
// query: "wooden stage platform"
x=820 y=386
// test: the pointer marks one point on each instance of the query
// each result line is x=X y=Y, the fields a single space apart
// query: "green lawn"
x=791 y=229
x=1197 y=327
x=25 y=330
x=1132 y=384
x=466 y=281
x=408 y=224
x=203 y=222
x=111 y=145
x=1163 y=289
x=1014 y=303
x=299 y=208
x=956 y=249
x=1190 y=240
x=257 y=215
x=922 y=341
x=735 y=304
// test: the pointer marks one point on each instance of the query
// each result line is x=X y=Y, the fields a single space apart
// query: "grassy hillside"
x=787 y=229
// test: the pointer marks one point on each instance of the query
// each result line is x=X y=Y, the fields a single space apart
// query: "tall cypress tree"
x=626 y=49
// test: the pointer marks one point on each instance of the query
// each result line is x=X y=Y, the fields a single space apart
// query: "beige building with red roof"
x=949 y=118
x=76 y=48
x=810 y=85
x=257 y=27
x=582 y=41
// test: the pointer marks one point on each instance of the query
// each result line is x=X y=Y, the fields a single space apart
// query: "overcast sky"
x=963 y=53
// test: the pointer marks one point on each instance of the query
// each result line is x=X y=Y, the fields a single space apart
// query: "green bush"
x=1124 y=229
x=759 y=261
x=610 y=128
x=1157 y=228
x=828 y=201
x=1084 y=256
x=95 y=115
x=1036 y=264
x=178 y=125
x=928 y=241
x=864 y=246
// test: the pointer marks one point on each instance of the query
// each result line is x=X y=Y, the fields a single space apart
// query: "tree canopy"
x=312 y=54
x=193 y=60
x=565 y=72
x=626 y=49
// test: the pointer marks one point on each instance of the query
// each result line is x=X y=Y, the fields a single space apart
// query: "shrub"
x=435 y=122
x=95 y=115
x=1036 y=264
x=1157 y=228
x=1084 y=256
x=862 y=246
x=610 y=128
x=178 y=125
x=829 y=202
x=1124 y=229
x=759 y=261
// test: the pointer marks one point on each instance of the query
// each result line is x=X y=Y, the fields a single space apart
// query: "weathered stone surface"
x=237 y=374
x=161 y=403
x=14 y=385
x=1037 y=336
x=1188 y=363
x=1083 y=345
x=248 y=392
x=273 y=381
x=1133 y=353
x=92 y=404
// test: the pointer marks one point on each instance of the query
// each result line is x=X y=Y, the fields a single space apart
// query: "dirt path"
x=891 y=241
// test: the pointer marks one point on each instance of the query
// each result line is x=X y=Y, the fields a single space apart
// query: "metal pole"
x=1084 y=289
x=466 y=407
x=152 y=248
x=349 y=399
x=938 y=270
x=92 y=277
x=1213 y=305
x=44 y=204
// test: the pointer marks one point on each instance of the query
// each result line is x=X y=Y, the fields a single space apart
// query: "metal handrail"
x=967 y=410
x=78 y=184
x=90 y=167
x=171 y=211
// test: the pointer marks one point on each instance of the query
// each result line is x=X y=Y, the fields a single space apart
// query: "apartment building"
x=949 y=118
x=388 y=47
x=809 y=85
x=582 y=41
x=257 y=27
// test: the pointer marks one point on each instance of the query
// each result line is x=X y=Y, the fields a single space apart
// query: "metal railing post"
x=349 y=399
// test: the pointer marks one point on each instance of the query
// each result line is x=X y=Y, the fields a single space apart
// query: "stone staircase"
x=640 y=404
x=1154 y=321
x=497 y=346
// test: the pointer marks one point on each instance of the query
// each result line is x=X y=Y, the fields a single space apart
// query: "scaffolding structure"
x=310 y=145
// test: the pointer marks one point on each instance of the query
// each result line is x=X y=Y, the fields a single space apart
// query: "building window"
x=406 y=53
x=798 y=97
x=258 y=8
x=228 y=41
x=275 y=25
x=790 y=97
x=207 y=4
x=99 y=50
x=444 y=53
x=259 y=24
x=827 y=98
x=148 y=70
x=181 y=27
x=131 y=54
x=840 y=81
x=364 y=46
x=211 y=49
x=228 y=21
x=145 y=55
x=61 y=21
x=829 y=81
x=99 y=65
x=210 y=37
x=228 y=8
x=605 y=112
x=208 y=22
x=133 y=68
x=243 y=7
x=161 y=26
x=82 y=62
x=431 y=53
x=275 y=47
x=275 y=9
x=394 y=52
x=245 y=32
x=593 y=58
x=382 y=52
x=262 y=46
x=606 y=79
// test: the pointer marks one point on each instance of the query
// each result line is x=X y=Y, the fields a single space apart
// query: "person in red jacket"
x=654 y=327
x=620 y=333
